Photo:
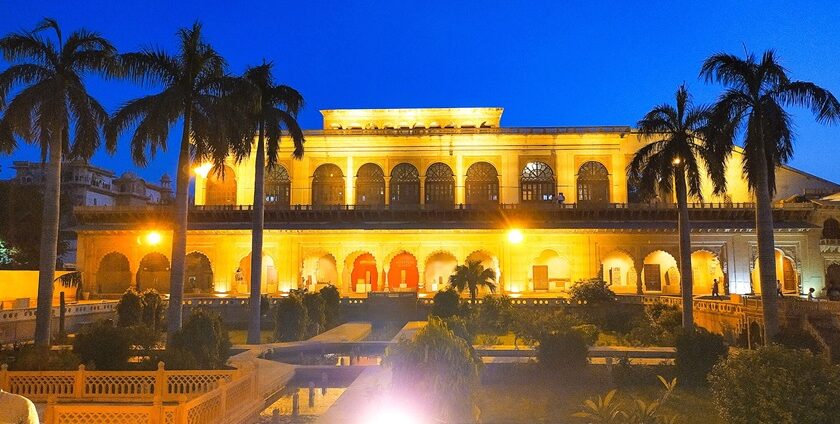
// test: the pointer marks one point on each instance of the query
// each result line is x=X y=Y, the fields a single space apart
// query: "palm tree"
x=757 y=92
x=194 y=83
x=275 y=108
x=53 y=109
x=672 y=163
x=471 y=276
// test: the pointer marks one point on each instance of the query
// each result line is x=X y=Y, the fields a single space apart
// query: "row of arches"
x=114 y=273
x=537 y=183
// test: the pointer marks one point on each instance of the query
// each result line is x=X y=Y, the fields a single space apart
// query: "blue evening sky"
x=550 y=63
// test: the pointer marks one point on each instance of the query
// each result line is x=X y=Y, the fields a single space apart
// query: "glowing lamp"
x=203 y=169
x=515 y=236
x=676 y=161
x=153 y=238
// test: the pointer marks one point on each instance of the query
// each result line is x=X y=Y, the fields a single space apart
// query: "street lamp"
x=515 y=236
x=203 y=169
x=153 y=238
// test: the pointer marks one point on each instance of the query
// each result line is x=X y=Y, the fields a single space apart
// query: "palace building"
x=393 y=199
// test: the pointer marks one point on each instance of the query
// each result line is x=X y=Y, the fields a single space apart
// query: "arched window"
x=482 y=184
x=593 y=183
x=328 y=185
x=831 y=229
x=278 y=186
x=536 y=184
x=405 y=185
x=221 y=187
x=370 y=185
x=440 y=185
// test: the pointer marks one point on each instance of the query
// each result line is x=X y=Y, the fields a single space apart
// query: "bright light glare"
x=391 y=415
x=153 y=238
x=515 y=236
x=203 y=169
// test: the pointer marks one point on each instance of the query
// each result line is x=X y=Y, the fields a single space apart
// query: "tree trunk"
x=257 y=224
x=766 y=248
x=49 y=244
x=684 y=229
x=179 y=232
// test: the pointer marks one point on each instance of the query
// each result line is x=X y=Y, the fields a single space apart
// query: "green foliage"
x=472 y=276
x=626 y=375
x=798 y=338
x=332 y=306
x=659 y=327
x=495 y=315
x=153 y=310
x=290 y=319
x=29 y=357
x=591 y=292
x=21 y=210
x=609 y=410
x=461 y=327
x=529 y=325
x=697 y=354
x=435 y=367
x=103 y=346
x=589 y=331
x=563 y=352
x=203 y=336
x=774 y=385
x=446 y=303
x=315 y=306
x=130 y=309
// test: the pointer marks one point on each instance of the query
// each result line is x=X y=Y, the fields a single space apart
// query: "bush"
x=438 y=368
x=564 y=352
x=290 y=319
x=591 y=292
x=627 y=375
x=607 y=409
x=29 y=357
x=589 y=331
x=697 y=354
x=103 y=346
x=447 y=303
x=332 y=306
x=798 y=338
x=660 y=326
x=775 y=384
x=153 y=310
x=461 y=328
x=314 y=304
x=203 y=336
x=130 y=309
x=495 y=315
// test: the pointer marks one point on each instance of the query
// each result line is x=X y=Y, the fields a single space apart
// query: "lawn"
x=241 y=336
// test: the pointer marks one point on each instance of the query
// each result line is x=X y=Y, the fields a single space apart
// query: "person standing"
x=715 y=289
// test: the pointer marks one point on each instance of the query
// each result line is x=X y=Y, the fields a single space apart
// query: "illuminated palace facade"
x=394 y=199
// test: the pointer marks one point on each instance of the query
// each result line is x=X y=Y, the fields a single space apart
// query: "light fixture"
x=676 y=161
x=203 y=169
x=153 y=238
x=515 y=236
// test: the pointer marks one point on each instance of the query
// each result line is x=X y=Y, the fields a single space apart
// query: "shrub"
x=314 y=304
x=460 y=328
x=627 y=375
x=290 y=319
x=775 y=384
x=495 y=315
x=563 y=352
x=798 y=338
x=435 y=367
x=153 y=310
x=589 y=331
x=130 y=309
x=29 y=357
x=697 y=354
x=203 y=336
x=592 y=291
x=103 y=346
x=447 y=303
x=659 y=326
x=608 y=410
x=332 y=306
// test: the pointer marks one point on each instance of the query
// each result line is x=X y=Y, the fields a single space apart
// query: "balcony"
x=613 y=216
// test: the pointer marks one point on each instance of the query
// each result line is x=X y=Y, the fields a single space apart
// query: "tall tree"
x=52 y=108
x=753 y=104
x=194 y=85
x=275 y=108
x=471 y=276
x=671 y=163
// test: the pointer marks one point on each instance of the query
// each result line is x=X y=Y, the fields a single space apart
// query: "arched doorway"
x=482 y=184
x=660 y=273
x=327 y=185
x=831 y=229
x=221 y=186
x=402 y=273
x=268 y=277
x=593 y=183
x=536 y=183
x=114 y=273
x=440 y=185
x=153 y=273
x=439 y=266
x=706 y=268
x=487 y=260
x=198 y=276
x=319 y=268
x=370 y=185
x=551 y=272
x=278 y=186
x=618 y=269
x=786 y=274
x=364 y=276
x=832 y=281
x=405 y=185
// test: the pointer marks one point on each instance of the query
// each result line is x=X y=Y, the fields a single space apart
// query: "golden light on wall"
x=515 y=236
x=203 y=169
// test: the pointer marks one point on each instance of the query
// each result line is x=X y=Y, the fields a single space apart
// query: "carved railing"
x=113 y=386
